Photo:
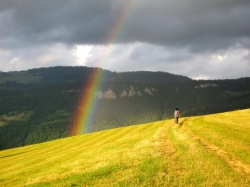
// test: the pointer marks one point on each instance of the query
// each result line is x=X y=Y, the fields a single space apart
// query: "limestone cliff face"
x=206 y=85
x=109 y=94
x=126 y=92
x=150 y=91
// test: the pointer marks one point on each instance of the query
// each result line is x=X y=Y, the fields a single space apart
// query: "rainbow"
x=88 y=104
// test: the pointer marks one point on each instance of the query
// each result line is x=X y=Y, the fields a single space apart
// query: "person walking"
x=177 y=115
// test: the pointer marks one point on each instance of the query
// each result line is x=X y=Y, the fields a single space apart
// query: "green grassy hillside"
x=212 y=150
x=40 y=105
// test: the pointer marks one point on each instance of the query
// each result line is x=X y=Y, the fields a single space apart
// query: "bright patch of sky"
x=82 y=53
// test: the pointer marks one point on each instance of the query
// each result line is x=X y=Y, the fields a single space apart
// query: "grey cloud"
x=28 y=58
x=175 y=36
x=232 y=63
x=36 y=22
x=199 y=25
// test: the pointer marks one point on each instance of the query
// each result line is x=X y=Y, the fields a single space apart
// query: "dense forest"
x=39 y=105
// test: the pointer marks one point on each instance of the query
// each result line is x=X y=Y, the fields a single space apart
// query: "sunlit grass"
x=211 y=150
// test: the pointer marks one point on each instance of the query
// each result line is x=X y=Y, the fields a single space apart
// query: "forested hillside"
x=40 y=104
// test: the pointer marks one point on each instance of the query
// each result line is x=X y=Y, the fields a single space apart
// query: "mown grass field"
x=212 y=150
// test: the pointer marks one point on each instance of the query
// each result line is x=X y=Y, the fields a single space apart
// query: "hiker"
x=176 y=115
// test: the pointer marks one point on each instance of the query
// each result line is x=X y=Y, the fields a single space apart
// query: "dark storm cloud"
x=25 y=22
x=181 y=37
x=200 y=25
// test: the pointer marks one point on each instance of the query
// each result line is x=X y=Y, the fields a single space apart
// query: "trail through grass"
x=212 y=150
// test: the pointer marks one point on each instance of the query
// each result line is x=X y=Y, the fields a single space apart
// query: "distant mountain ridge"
x=38 y=105
x=62 y=74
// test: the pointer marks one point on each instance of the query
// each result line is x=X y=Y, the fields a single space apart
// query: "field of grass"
x=212 y=150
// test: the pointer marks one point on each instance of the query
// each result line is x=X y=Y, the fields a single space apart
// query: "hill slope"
x=212 y=150
x=41 y=104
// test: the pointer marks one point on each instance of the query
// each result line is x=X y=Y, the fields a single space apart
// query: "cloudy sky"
x=200 y=39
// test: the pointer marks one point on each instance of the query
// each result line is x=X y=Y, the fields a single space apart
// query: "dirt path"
x=229 y=158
